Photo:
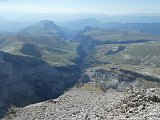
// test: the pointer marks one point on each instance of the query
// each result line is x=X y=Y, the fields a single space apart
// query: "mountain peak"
x=45 y=27
x=46 y=22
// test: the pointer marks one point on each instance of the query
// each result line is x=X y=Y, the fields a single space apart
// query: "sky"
x=109 y=7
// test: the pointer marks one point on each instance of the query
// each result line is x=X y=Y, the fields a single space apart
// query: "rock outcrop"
x=140 y=105
x=119 y=79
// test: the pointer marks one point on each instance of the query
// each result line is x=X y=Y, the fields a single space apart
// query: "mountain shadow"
x=30 y=49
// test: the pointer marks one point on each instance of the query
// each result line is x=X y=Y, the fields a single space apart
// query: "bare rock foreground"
x=92 y=104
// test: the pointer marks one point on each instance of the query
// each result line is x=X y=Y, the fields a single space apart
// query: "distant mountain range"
x=153 y=28
x=14 y=23
x=81 y=24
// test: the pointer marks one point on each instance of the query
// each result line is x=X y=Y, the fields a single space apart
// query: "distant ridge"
x=81 y=24
x=152 y=28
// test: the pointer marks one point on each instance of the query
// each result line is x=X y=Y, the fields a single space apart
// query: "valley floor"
x=91 y=104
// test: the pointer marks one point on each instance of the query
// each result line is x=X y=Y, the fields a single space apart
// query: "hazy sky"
x=80 y=6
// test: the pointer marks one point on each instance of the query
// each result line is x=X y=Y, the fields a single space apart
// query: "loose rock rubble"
x=80 y=104
x=140 y=105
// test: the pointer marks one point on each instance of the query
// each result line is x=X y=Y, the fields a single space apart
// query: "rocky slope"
x=92 y=104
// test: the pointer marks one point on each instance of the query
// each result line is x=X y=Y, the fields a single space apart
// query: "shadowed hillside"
x=25 y=80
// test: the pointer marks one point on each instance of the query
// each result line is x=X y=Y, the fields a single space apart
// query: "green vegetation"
x=136 y=54
x=44 y=40
x=91 y=87
x=51 y=49
x=120 y=47
x=59 y=56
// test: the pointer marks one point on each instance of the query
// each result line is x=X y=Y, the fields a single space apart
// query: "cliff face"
x=120 y=78
x=26 y=80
